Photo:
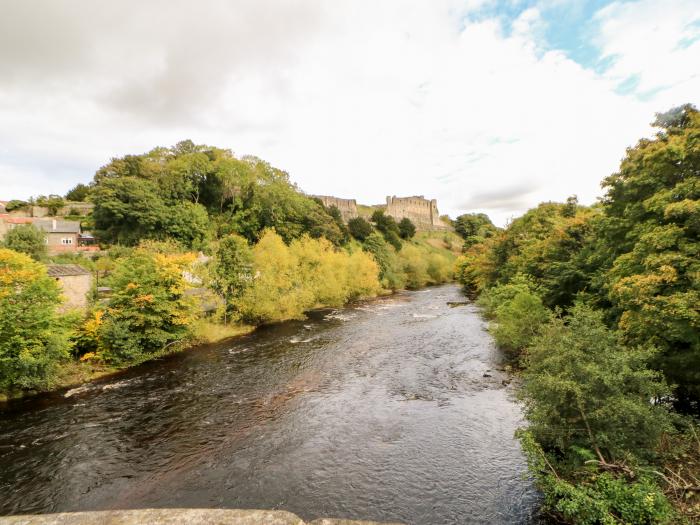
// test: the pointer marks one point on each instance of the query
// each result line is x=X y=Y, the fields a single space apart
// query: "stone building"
x=421 y=211
x=347 y=207
x=61 y=235
x=76 y=283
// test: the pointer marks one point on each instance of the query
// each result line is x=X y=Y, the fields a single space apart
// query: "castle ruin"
x=421 y=211
x=347 y=207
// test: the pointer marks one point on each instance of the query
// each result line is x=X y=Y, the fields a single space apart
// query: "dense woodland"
x=600 y=308
x=186 y=227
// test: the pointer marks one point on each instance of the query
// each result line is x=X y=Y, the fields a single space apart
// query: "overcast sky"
x=487 y=106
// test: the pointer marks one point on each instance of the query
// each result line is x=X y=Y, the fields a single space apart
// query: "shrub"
x=359 y=228
x=148 y=309
x=415 y=266
x=32 y=342
x=390 y=272
x=27 y=239
x=289 y=280
x=519 y=320
x=407 y=230
x=596 y=498
x=583 y=389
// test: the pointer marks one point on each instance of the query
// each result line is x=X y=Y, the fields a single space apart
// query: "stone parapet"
x=174 y=517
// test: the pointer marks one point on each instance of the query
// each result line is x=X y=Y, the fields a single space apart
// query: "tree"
x=584 y=389
x=148 y=309
x=32 y=341
x=15 y=204
x=649 y=237
x=78 y=193
x=406 y=228
x=27 y=239
x=232 y=271
x=52 y=202
x=359 y=228
x=387 y=225
x=129 y=209
x=474 y=228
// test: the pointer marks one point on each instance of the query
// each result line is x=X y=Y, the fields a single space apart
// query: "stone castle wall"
x=421 y=211
x=347 y=207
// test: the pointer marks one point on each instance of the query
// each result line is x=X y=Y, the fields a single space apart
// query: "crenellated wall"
x=421 y=211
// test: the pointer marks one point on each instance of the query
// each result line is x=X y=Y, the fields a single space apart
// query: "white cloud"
x=655 y=42
x=354 y=98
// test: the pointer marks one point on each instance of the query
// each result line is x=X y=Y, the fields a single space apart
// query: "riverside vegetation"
x=600 y=308
x=185 y=227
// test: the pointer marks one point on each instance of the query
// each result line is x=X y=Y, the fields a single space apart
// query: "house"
x=76 y=283
x=61 y=236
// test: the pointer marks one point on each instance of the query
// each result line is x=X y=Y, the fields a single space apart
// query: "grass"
x=206 y=331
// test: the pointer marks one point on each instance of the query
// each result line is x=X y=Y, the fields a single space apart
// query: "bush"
x=15 y=205
x=519 y=320
x=148 y=309
x=407 y=230
x=359 y=228
x=596 y=498
x=584 y=390
x=27 y=239
x=32 y=341
x=492 y=298
x=289 y=280
x=390 y=272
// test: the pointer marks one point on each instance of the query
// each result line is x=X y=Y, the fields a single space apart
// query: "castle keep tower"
x=421 y=211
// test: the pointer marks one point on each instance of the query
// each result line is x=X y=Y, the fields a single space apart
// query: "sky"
x=487 y=106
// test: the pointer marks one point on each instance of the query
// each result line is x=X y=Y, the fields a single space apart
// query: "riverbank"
x=392 y=410
x=75 y=373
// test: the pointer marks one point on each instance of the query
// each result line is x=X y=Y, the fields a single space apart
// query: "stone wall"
x=347 y=207
x=421 y=211
x=174 y=517
x=75 y=290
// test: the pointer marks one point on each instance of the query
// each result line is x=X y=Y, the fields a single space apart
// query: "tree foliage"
x=32 y=341
x=232 y=271
x=78 y=193
x=407 y=230
x=27 y=239
x=289 y=280
x=359 y=228
x=148 y=309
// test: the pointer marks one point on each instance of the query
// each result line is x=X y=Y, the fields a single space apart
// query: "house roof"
x=57 y=226
x=47 y=224
x=66 y=270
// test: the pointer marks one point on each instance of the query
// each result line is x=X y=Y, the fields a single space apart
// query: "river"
x=393 y=410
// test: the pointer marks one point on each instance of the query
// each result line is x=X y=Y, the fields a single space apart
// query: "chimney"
x=53 y=224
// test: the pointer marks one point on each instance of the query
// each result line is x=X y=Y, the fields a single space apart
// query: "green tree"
x=650 y=245
x=52 y=202
x=407 y=229
x=232 y=271
x=584 y=390
x=129 y=209
x=519 y=320
x=359 y=228
x=32 y=341
x=78 y=193
x=474 y=227
x=387 y=225
x=27 y=239
x=15 y=204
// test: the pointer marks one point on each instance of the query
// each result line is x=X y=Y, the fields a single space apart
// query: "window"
x=67 y=240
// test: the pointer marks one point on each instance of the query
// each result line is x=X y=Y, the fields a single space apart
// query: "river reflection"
x=392 y=410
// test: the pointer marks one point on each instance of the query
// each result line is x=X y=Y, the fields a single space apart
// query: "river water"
x=391 y=410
